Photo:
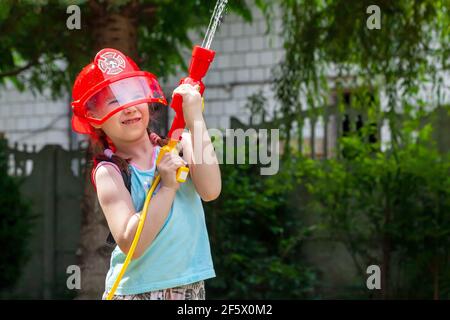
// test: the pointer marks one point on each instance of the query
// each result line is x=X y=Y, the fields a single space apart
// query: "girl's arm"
x=204 y=169
x=119 y=211
x=198 y=150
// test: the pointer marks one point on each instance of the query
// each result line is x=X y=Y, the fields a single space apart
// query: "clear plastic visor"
x=123 y=94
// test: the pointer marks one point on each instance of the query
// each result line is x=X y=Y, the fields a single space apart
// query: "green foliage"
x=15 y=224
x=328 y=46
x=388 y=207
x=34 y=37
x=256 y=240
x=335 y=32
x=392 y=204
x=388 y=203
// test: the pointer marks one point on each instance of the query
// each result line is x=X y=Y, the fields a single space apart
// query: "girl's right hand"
x=167 y=168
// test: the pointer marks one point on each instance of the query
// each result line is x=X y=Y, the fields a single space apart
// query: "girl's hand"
x=167 y=168
x=192 y=103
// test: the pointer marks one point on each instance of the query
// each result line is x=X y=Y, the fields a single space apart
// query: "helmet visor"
x=122 y=94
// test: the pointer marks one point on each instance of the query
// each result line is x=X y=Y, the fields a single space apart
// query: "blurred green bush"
x=256 y=239
x=15 y=224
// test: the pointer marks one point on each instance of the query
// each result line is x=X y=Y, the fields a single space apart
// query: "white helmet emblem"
x=111 y=63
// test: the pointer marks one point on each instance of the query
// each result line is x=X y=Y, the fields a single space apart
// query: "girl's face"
x=129 y=124
x=126 y=125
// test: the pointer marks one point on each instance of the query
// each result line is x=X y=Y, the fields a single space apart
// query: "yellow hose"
x=181 y=177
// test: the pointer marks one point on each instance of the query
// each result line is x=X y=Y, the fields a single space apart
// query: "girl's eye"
x=112 y=102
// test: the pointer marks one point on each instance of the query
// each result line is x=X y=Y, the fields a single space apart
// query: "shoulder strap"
x=126 y=179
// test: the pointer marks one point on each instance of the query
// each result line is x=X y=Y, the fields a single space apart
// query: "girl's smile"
x=132 y=121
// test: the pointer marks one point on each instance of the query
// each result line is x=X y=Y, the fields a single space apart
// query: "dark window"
x=354 y=121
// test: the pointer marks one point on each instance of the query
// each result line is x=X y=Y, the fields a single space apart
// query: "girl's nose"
x=129 y=110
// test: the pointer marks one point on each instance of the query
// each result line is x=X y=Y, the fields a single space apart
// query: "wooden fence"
x=53 y=183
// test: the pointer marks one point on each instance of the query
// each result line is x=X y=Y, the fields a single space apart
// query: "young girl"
x=111 y=103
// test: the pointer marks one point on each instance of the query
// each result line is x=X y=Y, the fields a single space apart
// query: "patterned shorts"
x=192 y=291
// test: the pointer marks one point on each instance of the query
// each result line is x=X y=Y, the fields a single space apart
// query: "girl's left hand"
x=192 y=103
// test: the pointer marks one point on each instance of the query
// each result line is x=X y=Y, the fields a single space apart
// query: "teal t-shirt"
x=180 y=253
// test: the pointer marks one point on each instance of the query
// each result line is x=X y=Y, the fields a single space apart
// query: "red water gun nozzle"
x=200 y=62
x=201 y=59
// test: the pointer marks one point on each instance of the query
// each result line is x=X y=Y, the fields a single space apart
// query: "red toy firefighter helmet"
x=111 y=83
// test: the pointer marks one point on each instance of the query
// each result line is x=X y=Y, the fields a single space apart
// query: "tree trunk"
x=94 y=253
x=118 y=31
